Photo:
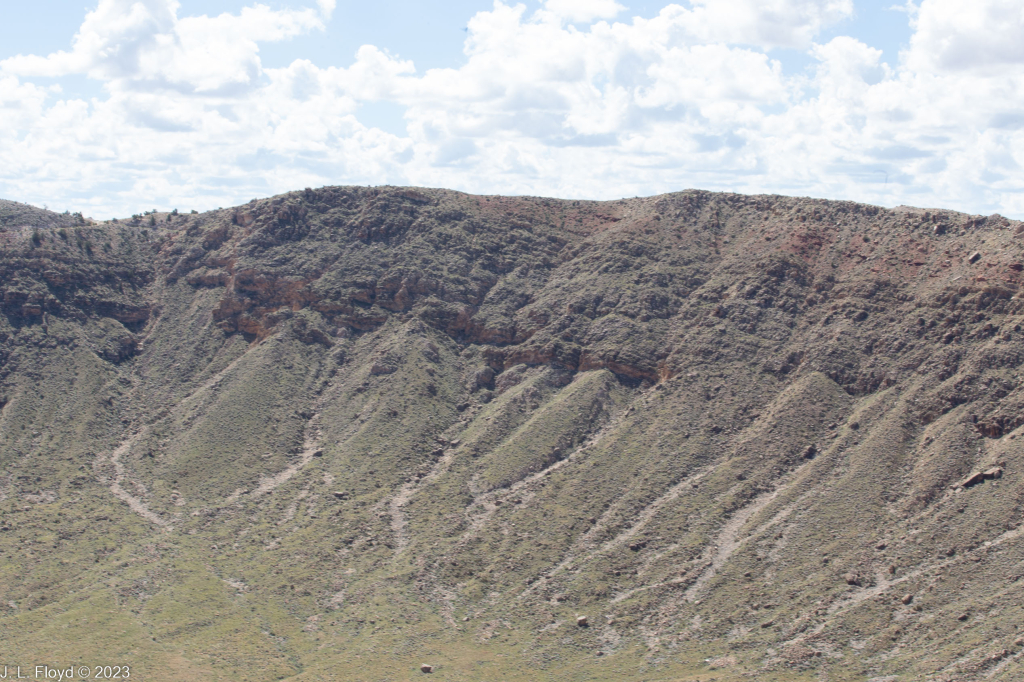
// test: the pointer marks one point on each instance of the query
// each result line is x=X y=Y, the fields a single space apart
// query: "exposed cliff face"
x=782 y=434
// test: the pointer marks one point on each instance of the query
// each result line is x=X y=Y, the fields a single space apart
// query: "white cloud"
x=326 y=7
x=584 y=11
x=848 y=67
x=765 y=23
x=954 y=35
x=143 y=41
x=689 y=97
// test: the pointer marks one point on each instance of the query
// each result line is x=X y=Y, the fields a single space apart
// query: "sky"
x=112 y=107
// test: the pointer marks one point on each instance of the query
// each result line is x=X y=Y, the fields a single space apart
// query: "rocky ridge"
x=370 y=426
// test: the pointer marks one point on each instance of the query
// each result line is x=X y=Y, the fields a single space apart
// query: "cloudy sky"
x=126 y=105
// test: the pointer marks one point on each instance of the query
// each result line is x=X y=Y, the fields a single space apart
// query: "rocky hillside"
x=346 y=432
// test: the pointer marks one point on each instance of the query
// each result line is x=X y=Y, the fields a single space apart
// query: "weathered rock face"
x=368 y=427
x=74 y=273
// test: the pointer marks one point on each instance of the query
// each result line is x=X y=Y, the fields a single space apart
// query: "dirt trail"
x=644 y=518
x=486 y=501
x=484 y=504
x=999 y=667
x=883 y=584
x=312 y=443
x=310 y=447
x=519 y=487
x=396 y=504
x=9 y=488
x=622 y=596
x=702 y=560
x=114 y=483
x=649 y=512
x=729 y=540
x=587 y=539
x=213 y=381
x=114 y=458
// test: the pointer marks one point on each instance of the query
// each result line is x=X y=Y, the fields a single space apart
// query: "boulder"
x=980 y=476
x=378 y=368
